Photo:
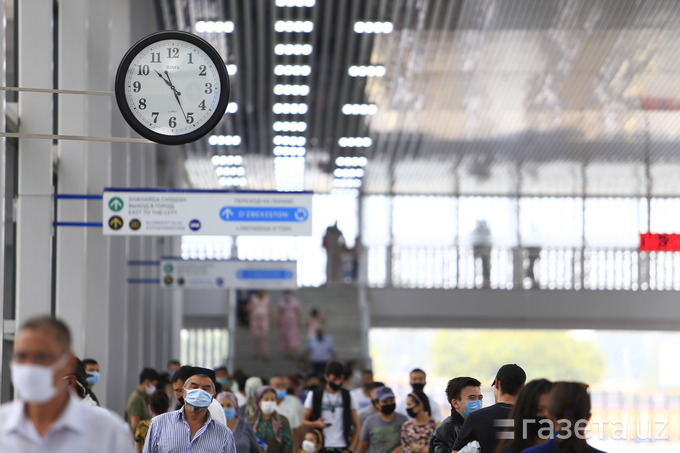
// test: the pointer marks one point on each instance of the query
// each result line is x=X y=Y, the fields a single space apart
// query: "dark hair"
x=421 y=397
x=335 y=368
x=81 y=376
x=182 y=374
x=374 y=385
x=455 y=385
x=570 y=401
x=417 y=370
x=318 y=434
x=221 y=368
x=87 y=362
x=148 y=373
x=159 y=402
x=367 y=371
x=51 y=326
x=525 y=434
x=173 y=362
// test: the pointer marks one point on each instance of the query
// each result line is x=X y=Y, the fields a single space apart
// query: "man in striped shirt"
x=191 y=428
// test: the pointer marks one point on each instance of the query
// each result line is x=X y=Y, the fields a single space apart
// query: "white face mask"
x=150 y=389
x=35 y=383
x=268 y=407
x=308 y=446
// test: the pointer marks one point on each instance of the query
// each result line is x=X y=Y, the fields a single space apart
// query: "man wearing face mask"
x=180 y=378
x=332 y=409
x=47 y=417
x=93 y=376
x=190 y=428
x=382 y=431
x=465 y=396
x=136 y=408
x=418 y=381
x=481 y=425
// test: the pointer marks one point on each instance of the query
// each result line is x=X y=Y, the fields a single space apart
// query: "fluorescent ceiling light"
x=225 y=140
x=373 y=27
x=366 y=71
x=294 y=26
x=214 y=26
x=291 y=90
x=351 y=161
x=359 y=109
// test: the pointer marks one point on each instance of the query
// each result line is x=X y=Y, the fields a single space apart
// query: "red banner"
x=653 y=242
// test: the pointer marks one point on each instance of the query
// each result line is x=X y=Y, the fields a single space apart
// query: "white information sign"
x=158 y=212
x=178 y=273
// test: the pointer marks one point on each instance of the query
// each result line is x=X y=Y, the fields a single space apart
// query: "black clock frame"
x=138 y=126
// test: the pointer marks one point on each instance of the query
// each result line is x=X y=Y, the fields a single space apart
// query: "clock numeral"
x=191 y=61
x=143 y=69
x=173 y=122
x=202 y=68
x=208 y=88
x=190 y=117
x=142 y=104
x=155 y=57
x=155 y=117
x=173 y=52
x=136 y=86
x=202 y=105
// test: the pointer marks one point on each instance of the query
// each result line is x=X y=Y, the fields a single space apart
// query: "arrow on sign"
x=226 y=213
x=115 y=222
x=116 y=204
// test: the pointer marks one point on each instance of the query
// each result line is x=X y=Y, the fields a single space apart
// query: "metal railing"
x=547 y=268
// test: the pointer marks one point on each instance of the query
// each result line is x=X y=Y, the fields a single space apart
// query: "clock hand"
x=176 y=93
x=166 y=82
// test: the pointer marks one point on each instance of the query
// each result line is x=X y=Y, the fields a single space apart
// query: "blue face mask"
x=471 y=406
x=229 y=413
x=172 y=373
x=198 y=398
x=93 y=377
x=281 y=394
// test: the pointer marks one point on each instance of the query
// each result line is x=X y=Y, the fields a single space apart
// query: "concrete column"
x=34 y=201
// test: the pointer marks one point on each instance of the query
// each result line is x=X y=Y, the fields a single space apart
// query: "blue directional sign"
x=264 y=274
x=179 y=212
x=263 y=214
x=220 y=274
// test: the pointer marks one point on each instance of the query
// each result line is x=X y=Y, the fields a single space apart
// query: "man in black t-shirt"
x=482 y=425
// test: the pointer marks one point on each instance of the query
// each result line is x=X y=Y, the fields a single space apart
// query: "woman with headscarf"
x=271 y=427
x=250 y=388
x=244 y=436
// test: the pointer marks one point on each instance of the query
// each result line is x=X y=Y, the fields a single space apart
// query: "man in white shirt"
x=48 y=418
x=290 y=407
x=332 y=410
x=362 y=394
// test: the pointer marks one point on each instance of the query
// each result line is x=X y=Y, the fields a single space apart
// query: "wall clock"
x=172 y=87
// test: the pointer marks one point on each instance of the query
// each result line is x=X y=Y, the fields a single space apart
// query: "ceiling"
x=469 y=97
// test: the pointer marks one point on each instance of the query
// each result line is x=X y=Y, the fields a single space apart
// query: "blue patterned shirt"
x=170 y=433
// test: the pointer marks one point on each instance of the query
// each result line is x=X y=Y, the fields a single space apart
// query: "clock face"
x=172 y=87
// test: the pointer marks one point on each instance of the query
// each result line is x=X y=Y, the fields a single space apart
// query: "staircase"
x=340 y=308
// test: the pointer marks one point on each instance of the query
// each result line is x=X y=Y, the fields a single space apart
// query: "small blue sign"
x=264 y=274
x=195 y=225
x=260 y=214
x=219 y=281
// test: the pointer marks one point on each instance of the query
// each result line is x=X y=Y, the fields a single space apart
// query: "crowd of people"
x=194 y=409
